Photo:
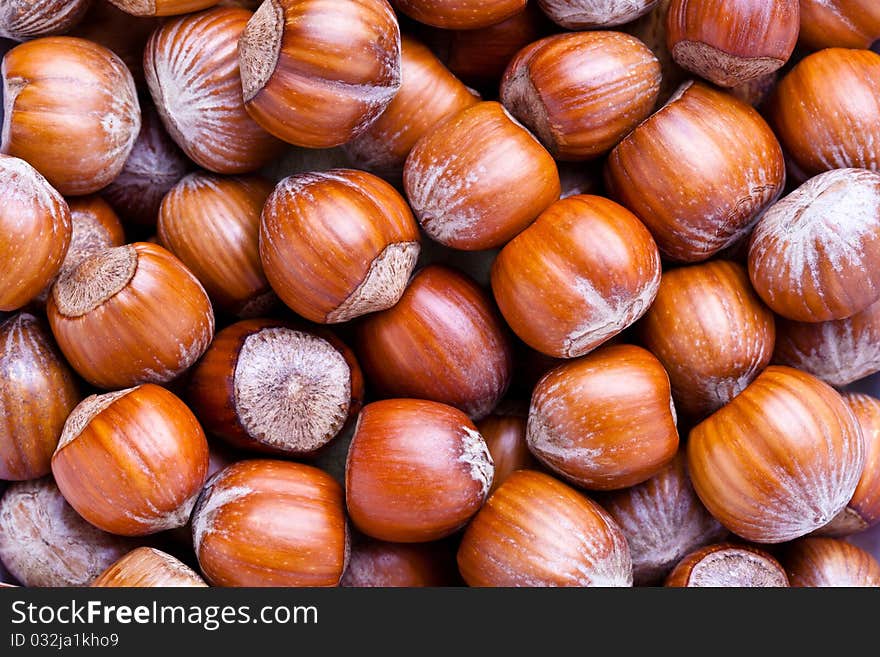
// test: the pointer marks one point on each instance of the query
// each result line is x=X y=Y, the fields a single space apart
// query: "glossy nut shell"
x=781 y=460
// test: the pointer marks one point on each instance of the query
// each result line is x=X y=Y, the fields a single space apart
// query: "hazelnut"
x=730 y=42
x=71 y=110
x=663 y=521
x=863 y=510
x=192 y=69
x=417 y=471
x=337 y=245
x=838 y=351
x=460 y=14
x=265 y=385
x=582 y=273
x=699 y=172
x=130 y=315
x=779 y=461
x=131 y=462
x=604 y=421
x=711 y=332
x=728 y=565
x=37 y=392
x=44 y=542
x=151 y=170
x=586 y=14
x=582 y=93
x=839 y=23
x=815 y=255
x=827 y=562
x=428 y=94
x=536 y=531
x=317 y=75
x=825 y=111
x=479 y=178
x=375 y=563
x=212 y=224
x=271 y=523
x=443 y=341
x=148 y=567
x=35 y=232
x=25 y=19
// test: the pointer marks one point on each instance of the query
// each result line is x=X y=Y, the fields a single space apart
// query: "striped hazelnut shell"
x=815 y=255
x=71 y=110
x=581 y=93
x=337 y=244
x=699 y=172
x=191 y=66
x=779 y=461
x=317 y=73
x=132 y=462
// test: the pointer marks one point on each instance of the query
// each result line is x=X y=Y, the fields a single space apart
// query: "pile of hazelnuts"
x=439 y=292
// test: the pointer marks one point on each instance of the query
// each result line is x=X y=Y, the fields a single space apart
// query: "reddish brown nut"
x=838 y=351
x=317 y=74
x=815 y=255
x=129 y=315
x=44 y=542
x=337 y=245
x=826 y=114
x=460 y=14
x=582 y=93
x=839 y=23
x=443 y=341
x=71 y=110
x=604 y=421
x=728 y=565
x=213 y=225
x=379 y=564
x=711 y=332
x=417 y=471
x=585 y=14
x=779 y=461
x=479 y=57
x=730 y=42
x=698 y=172
x=37 y=393
x=95 y=228
x=505 y=436
x=265 y=385
x=151 y=170
x=271 y=523
x=536 y=531
x=132 y=462
x=162 y=7
x=191 y=65
x=479 y=178
x=147 y=567
x=428 y=94
x=863 y=510
x=26 y=19
x=35 y=231
x=663 y=520
x=582 y=273
x=827 y=562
